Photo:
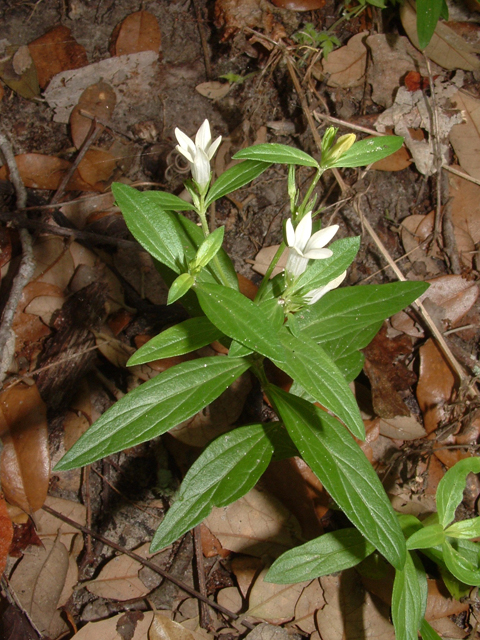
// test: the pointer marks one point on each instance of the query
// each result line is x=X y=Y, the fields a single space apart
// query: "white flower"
x=315 y=294
x=198 y=153
x=304 y=247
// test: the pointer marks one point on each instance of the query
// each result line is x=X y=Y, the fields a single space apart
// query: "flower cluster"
x=198 y=153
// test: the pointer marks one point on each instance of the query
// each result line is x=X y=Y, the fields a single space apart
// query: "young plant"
x=299 y=321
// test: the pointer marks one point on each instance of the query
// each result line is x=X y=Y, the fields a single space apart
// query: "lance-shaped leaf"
x=462 y=568
x=276 y=153
x=155 y=407
x=239 y=318
x=466 y=529
x=343 y=311
x=429 y=536
x=228 y=468
x=167 y=201
x=369 y=150
x=427 y=632
x=182 y=338
x=327 y=554
x=409 y=598
x=308 y=364
x=347 y=475
x=451 y=487
x=156 y=230
x=235 y=178
x=428 y=14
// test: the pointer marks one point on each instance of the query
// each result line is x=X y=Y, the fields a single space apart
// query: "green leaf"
x=167 y=201
x=347 y=475
x=239 y=318
x=321 y=272
x=155 y=407
x=281 y=153
x=350 y=365
x=235 y=178
x=179 y=287
x=156 y=230
x=228 y=468
x=209 y=247
x=409 y=524
x=369 y=150
x=409 y=599
x=331 y=552
x=237 y=349
x=427 y=632
x=428 y=14
x=426 y=537
x=354 y=339
x=184 y=337
x=343 y=311
x=451 y=486
x=465 y=529
x=314 y=371
x=462 y=568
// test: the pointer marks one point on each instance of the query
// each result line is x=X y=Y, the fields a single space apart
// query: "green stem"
x=269 y=271
x=202 y=214
x=312 y=186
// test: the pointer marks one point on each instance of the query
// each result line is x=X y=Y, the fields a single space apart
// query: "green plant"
x=299 y=320
x=428 y=14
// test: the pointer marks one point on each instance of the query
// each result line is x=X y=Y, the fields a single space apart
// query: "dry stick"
x=435 y=135
x=424 y=313
x=203 y=38
x=27 y=264
x=308 y=113
x=347 y=125
x=147 y=563
x=205 y=619
x=461 y=174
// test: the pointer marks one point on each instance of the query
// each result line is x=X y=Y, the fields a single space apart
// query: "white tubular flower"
x=304 y=247
x=315 y=294
x=198 y=153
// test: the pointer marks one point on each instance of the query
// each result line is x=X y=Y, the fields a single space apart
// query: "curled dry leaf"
x=6 y=534
x=310 y=601
x=346 y=66
x=98 y=100
x=454 y=294
x=25 y=461
x=138 y=32
x=213 y=90
x=245 y=569
x=440 y=604
x=446 y=48
x=465 y=137
x=436 y=384
x=56 y=51
x=45 y=172
x=274 y=603
x=416 y=231
x=162 y=628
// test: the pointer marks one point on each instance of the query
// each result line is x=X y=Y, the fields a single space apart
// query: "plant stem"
x=312 y=186
x=202 y=214
x=269 y=271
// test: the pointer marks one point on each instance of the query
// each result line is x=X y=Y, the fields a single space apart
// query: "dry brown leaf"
x=256 y=524
x=50 y=527
x=465 y=208
x=138 y=32
x=78 y=210
x=114 y=350
x=56 y=51
x=54 y=264
x=351 y=612
x=17 y=70
x=435 y=387
x=230 y=598
x=416 y=230
x=29 y=328
x=162 y=628
x=25 y=461
x=45 y=172
x=108 y=629
x=38 y=582
x=465 y=137
x=99 y=101
x=454 y=294
x=45 y=307
x=446 y=48
x=213 y=90
x=265 y=256
x=310 y=601
x=6 y=534
x=97 y=166
x=447 y=628
x=402 y=428
x=347 y=65
x=274 y=603
x=245 y=569
x=440 y=603
x=398 y=161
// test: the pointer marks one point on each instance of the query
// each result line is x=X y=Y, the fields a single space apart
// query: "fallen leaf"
x=54 y=266
x=440 y=603
x=162 y=628
x=346 y=66
x=310 y=601
x=416 y=230
x=114 y=350
x=25 y=461
x=78 y=211
x=245 y=569
x=50 y=527
x=255 y=524
x=465 y=137
x=398 y=161
x=453 y=295
x=265 y=256
x=138 y=32
x=107 y=629
x=351 y=612
x=465 y=208
x=402 y=428
x=214 y=89
x=230 y=598
x=97 y=166
x=18 y=72
x=446 y=48
x=6 y=534
x=45 y=307
x=38 y=581
x=274 y=603
x=98 y=100
x=56 y=51
x=45 y=172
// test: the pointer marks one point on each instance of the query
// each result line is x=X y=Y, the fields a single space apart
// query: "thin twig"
x=205 y=619
x=147 y=563
x=461 y=174
x=435 y=136
x=203 y=39
x=347 y=125
x=27 y=264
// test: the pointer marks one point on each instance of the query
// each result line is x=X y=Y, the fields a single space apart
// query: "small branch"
x=205 y=620
x=461 y=174
x=27 y=264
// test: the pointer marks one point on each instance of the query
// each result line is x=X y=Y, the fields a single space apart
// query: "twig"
x=347 y=125
x=147 y=563
x=435 y=135
x=26 y=269
x=205 y=620
x=203 y=38
x=461 y=174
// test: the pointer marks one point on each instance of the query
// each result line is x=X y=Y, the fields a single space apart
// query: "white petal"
x=185 y=142
x=201 y=168
x=213 y=147
x=315 y=295
x=296 y=264
x=303 y=232
x=184 y=153
x=290 y=233
x=203 y=137
x=318 y=254
x=321 y=238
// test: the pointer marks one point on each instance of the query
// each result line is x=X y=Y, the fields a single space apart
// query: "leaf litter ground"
x=90 y=304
